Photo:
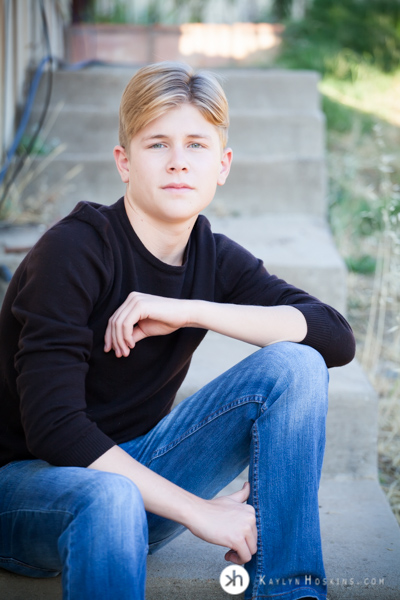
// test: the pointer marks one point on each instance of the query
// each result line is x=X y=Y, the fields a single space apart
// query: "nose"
x=177 y=160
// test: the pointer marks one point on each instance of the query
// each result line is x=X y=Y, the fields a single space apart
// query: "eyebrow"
x=161 y=136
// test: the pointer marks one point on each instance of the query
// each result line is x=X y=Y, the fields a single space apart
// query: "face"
x=174 y=166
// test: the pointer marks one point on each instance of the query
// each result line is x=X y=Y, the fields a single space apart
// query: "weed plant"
x=337 y=36
x=355 y=46
x=22 y=204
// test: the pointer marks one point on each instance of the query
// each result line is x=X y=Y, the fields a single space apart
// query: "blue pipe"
x=29 y=104
x=25 y=117
x=5 y=273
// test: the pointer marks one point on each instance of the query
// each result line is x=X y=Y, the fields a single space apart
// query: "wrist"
x=191 y=509
x=195 y=313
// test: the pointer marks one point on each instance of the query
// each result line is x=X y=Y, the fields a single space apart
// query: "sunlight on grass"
x=373 y=92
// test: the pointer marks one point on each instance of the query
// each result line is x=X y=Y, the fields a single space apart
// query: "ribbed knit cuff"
x=85 y=450
x=318 y=332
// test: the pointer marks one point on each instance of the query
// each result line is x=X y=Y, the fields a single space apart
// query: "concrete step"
x=256 y=132
x=282 y=170
x=267 y=89
x=274 y=184
x=361 y=543
x=361 y=548
x=297 y=248
x=361 y=539
x=252 y=133
x=255 y=185
x=271 y=89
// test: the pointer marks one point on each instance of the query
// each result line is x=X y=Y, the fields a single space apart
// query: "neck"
x=167 y=242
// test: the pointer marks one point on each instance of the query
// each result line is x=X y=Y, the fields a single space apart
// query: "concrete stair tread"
x=281 y=202
x=282 y=238
x=297 y=248
x=243 y=112
x=351 y=432
x=261 y=160
x=282 y=134
x=265 y=88
x=361 y=542
x=217 y=353
x=274 y=238
x=255 y=186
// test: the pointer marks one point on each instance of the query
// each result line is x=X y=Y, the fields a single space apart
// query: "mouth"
x=177 y=186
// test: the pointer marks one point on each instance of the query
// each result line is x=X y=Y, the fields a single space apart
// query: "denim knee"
x=111 y=507
x=296 y=361
x=297 y=372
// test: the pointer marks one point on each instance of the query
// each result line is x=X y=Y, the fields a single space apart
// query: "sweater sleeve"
x=59 y=283
x=243 y=279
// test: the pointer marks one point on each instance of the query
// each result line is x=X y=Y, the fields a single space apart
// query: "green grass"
x=341 y=118
x=365 y=264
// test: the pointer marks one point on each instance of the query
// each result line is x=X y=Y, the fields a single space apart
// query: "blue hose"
x=29 y=104
x=5 y=273
x=25 y=117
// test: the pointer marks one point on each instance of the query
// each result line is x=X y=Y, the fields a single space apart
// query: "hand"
x=226 y=521
x=141 y=316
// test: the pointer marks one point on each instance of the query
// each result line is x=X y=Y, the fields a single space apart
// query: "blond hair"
x=158 y=87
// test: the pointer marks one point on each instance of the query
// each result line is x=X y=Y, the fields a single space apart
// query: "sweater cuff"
x=318 y=332
x=85 y=450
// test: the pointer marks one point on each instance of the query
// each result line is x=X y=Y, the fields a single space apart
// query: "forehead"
x=185 y=119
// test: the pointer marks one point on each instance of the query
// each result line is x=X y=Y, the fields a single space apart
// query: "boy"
x=97 y=331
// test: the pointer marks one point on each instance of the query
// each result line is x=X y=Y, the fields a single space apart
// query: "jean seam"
x=34 y=510
x=222 y=410
x=11 y=560
x=256 y=502
x=66 y=583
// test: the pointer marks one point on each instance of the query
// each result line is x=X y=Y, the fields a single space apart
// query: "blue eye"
x=158 y=145
x=196 y=145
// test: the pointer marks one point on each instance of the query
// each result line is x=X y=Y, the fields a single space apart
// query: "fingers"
x=248 y=546
x=241 y=495
x=123 y=322
x=120 y=334
x=232 y=556
x=244 y=549
x=242 y=525
x=140 y=316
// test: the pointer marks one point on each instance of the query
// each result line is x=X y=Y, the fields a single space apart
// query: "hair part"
x=159 y=87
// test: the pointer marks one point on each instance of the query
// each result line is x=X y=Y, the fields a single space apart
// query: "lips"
x=177 y=186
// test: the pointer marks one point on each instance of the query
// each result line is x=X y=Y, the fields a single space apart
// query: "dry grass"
x=365 y=170
x=27 y=203
x=385 y=378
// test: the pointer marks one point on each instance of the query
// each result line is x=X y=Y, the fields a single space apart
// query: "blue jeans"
x=267 y=412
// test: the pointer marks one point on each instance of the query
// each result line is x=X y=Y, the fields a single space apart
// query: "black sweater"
x=66 y=401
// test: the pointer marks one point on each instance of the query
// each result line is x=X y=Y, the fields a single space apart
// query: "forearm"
x=225 y=521
x=160 y=496
x=145 y=315
x=258 y=325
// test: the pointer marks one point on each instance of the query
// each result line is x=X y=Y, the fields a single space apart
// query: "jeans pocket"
x=20 y=568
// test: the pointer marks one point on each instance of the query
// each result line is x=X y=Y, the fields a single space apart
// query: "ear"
x=122 y=162
x=226 y=161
